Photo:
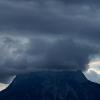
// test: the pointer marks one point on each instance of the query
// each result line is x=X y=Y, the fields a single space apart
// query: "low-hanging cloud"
x=48 y=34
x=22 y=54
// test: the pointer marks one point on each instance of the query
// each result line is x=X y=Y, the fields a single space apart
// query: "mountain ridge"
x=70 y=85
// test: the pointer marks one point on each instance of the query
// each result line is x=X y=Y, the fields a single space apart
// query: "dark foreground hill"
x=49 y=85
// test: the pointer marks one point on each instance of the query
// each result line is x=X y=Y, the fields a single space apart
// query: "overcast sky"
x=48 y=34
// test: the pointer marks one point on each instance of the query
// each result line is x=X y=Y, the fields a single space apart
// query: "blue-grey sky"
x=48 y=34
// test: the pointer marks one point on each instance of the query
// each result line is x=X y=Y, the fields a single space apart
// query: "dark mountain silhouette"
x=49 y=85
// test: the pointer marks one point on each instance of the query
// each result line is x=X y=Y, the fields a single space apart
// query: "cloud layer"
x=48 y=34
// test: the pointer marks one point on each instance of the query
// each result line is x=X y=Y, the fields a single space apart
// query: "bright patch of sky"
x=93 y=73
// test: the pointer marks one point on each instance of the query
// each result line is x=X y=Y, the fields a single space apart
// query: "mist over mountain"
x=47 y=34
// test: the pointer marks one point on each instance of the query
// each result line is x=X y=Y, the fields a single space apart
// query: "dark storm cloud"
x=46 y=16
x=49 y=17
x=21 y=54
x=48 y=34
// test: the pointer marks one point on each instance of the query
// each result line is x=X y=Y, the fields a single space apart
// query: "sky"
x=5 y=85
x=48 y=34
x=93 y=73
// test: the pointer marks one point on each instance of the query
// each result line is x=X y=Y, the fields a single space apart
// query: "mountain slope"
x=49 y=85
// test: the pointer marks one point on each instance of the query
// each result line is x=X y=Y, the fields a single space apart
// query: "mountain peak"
x=51 y=85
x=77 y=76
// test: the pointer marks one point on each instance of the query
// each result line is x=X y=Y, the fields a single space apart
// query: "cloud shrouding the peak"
x=48 y=34
x=19 y=54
